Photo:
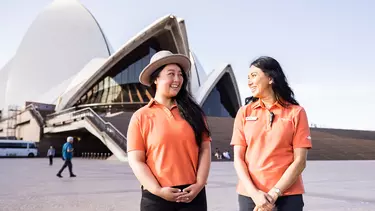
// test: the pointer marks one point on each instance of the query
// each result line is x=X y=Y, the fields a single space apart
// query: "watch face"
x=277 y=191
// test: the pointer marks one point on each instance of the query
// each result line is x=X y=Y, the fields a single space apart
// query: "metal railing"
x=36 y=114
x=97 y=121
x=66 y=111
x=98 y=105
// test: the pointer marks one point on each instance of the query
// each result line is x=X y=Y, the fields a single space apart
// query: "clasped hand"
x=265 y=201
x=177 y=195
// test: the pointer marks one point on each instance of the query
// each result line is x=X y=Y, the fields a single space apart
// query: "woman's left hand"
x=274 y=197
x=192 y=191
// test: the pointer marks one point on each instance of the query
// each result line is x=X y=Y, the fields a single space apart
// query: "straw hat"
x=163 y=58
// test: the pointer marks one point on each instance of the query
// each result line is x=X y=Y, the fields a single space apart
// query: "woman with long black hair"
x=271 y=137
x=169 y=144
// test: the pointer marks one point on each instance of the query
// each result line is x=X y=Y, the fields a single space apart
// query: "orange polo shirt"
x=168 y=141
x=269 y=150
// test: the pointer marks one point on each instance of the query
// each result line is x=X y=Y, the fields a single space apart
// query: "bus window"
x=15 y=145
x=32 y=146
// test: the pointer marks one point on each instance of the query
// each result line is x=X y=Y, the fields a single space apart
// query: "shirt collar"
x=154 y=102
x=260 y=104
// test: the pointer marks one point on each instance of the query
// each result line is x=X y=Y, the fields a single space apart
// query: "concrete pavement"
x=31 y=185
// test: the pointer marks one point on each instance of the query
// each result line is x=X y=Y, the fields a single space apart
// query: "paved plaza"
x=31 y=185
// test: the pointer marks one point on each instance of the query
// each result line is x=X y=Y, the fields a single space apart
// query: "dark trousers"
x=283 y=203
x=50 y=160
x=151 y=202
x=68 y=163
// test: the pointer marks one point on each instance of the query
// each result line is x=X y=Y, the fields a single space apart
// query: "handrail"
x=53 y=115
x=114 y=104
x=99 y=122
x=108 y=127
x=35 y=111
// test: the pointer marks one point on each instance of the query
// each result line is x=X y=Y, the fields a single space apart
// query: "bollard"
x=92 y=155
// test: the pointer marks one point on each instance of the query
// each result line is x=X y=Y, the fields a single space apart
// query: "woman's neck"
x=269 y=100
x=168 y=102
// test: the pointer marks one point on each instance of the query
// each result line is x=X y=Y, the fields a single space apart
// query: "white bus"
x=18 y=148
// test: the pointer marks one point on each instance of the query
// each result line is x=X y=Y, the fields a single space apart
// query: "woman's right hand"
x=170 y=194
x=263 y=200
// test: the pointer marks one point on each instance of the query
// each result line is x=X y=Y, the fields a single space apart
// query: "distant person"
x=226 y=155
x=51 y=154
x=67 y=155
x=169 y=144
x=271 y=137
x=218 y=154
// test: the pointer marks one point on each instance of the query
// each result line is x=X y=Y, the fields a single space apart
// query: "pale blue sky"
x=325 y=47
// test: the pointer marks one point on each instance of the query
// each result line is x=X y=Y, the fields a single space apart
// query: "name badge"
x=251 y=118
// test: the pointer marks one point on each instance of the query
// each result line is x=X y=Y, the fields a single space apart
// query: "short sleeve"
x=134 y=136
x=302 y=136
x=238 y=136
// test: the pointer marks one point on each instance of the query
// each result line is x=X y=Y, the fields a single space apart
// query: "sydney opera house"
x=65 y=79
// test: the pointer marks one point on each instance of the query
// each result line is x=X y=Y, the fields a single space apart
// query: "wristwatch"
x=278 y=191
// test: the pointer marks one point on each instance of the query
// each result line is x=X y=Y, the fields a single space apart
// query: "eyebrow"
x=172 y=70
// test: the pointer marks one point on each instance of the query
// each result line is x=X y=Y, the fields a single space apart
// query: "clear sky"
x=327 y=48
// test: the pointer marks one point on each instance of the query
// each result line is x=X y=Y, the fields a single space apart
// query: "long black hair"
x=271 y=67
x=188 y=108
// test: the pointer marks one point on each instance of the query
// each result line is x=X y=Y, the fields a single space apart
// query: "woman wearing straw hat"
x=169 y=144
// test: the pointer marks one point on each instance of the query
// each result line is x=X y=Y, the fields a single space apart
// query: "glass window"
x=124 y=76
x=118 y=78
x=95 y=89
x=131 y=72
x=138 y=69
x=106 y=82
x=125 y=93
x=142 y=90
x=101 y=86
x=133 y=93
x=105 y=95
x=84 y=98
x=213 y=105
x=32 y=146
x=145 y=60
x=109 y=98
x=94 y=97
x=89 y=96
x=117 y=90
x=152 y=51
